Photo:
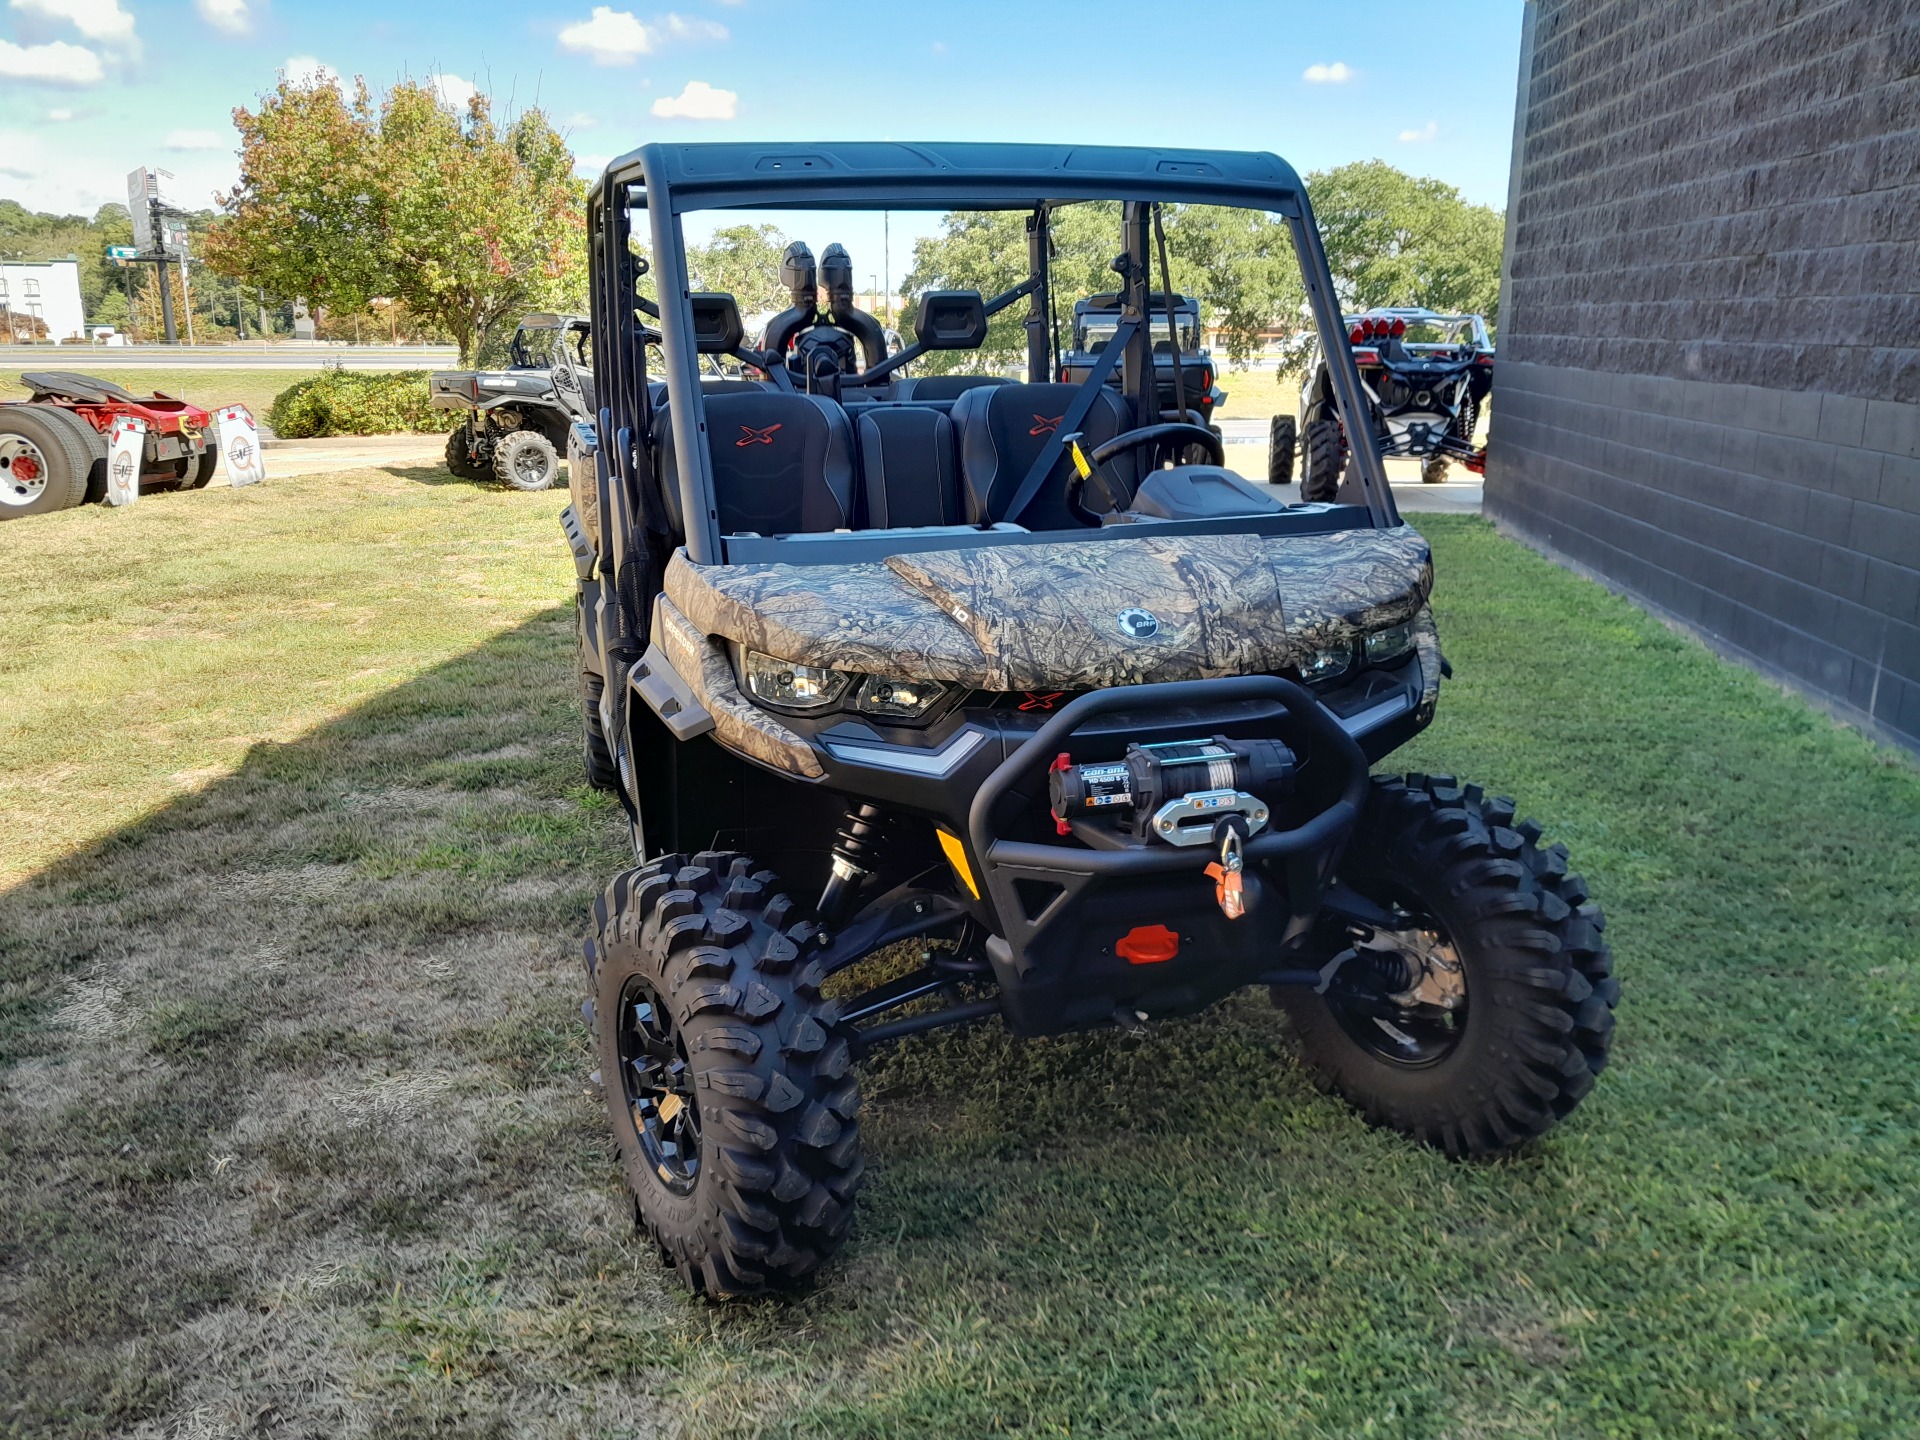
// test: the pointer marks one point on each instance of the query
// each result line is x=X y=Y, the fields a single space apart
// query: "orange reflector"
x=956 y=854
x=1147 y=945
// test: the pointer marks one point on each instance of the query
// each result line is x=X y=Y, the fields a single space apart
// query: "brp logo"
x=1044 y=426
x=1138 y=624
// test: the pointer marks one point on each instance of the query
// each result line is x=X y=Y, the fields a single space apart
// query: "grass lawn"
x=1258 y=394
x=296 y=1137
x=254 y=388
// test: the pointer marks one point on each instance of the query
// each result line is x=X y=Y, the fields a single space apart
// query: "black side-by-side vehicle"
x=959 y=699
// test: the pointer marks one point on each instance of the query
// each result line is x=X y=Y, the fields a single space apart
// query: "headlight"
x=899 y=699
x=1325 y=664
x=1389 y=644
x=798 y=687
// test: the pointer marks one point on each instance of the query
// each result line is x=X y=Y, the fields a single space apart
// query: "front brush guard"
x=1305 y=855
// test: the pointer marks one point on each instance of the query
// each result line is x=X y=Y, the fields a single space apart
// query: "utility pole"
x=186 y=294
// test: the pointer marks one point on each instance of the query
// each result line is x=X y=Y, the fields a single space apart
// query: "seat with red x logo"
x=1004 y=429
x=782 y=463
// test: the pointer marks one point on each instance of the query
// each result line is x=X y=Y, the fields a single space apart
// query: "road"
x=1459 y=494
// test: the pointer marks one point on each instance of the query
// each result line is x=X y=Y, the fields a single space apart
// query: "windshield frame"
x=663 y=183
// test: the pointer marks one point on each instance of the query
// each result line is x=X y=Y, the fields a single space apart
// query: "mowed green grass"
x=297 y=1135
x=252 y=387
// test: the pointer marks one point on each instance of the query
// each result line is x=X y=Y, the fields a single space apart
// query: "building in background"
x=40 y=300
x=1709 y=382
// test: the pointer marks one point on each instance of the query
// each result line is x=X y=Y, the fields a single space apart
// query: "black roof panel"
x=961 y=175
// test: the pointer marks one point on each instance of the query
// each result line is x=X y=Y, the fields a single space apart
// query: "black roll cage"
x=666 y=182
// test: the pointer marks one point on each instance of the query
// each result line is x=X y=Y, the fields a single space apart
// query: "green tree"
x=343 y=200
x=986 y=250
x=1391 y=239
x=1239 y=264
x=1398 y=239
x=744 y=261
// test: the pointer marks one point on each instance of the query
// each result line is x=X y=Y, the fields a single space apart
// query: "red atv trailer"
x=78 y=439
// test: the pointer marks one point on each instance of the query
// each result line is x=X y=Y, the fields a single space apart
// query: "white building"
x=40 y=299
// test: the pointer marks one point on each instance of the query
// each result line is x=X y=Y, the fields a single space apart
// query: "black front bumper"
x=1062 y=911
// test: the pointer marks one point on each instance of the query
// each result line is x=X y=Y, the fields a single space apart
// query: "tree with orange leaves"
x=343 y=199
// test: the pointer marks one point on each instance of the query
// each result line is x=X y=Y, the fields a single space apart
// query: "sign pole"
x=163 y=270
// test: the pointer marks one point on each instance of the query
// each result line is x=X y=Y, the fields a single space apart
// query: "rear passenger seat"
x=910 y=467
x=945 y=387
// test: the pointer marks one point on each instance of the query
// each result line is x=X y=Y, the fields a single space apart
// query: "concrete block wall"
x=1708 y=390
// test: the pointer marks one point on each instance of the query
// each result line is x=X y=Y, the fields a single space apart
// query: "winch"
x=1176 y=790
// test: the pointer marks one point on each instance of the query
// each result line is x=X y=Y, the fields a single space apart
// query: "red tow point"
x=1148 y=945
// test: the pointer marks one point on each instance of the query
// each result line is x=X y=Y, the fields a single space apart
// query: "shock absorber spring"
x=856 y=847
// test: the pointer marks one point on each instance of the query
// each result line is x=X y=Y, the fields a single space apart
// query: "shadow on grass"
x=280 y=1045
x=298 y=1135
x=440 y=475
x=430 y=475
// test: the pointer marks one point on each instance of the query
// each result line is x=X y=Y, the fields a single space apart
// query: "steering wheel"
x=1174 y=435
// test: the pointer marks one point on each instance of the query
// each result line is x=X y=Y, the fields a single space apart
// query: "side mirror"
x=717 y=329
x=951 y=320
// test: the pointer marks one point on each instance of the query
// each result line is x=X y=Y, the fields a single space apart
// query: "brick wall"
x=1709 y=380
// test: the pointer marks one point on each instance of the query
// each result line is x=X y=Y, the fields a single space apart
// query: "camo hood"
x=1069 y=616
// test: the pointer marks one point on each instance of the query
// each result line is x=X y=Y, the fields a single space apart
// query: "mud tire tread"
x=779 y=1129
x=1323 y=461
x=1541 y=990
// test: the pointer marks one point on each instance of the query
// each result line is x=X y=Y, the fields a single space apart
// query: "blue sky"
x=91 y=88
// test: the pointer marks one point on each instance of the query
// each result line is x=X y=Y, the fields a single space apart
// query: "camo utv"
x=993 y=668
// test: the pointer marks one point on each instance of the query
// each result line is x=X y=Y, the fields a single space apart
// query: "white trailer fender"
x=240 y=453
x=126 y=454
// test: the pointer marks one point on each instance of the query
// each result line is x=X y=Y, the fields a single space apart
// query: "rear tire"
x=1283 y=439
x=91 y=441
x=526 y=460
x=459 y=461
x=202 y=474
x=1537 y=994
x=603 y=771
x=732 y=1099
x=43 y=464
x=1325 y=461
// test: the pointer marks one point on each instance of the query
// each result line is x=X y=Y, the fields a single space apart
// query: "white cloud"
x=60 y=115
x=101 y=21
x=611 y=37
x=699 y=101
x=454 y=92
x=230 y=17
x=619 y=37
x=580 y=120
x=74 y=171
x=306 y=70
x=197 y=140
x=1426 y=132
x=55 y=64
x=681 y=28
x=1338 y=73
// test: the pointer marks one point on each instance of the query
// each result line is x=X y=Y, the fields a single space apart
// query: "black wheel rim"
x=657 y=1084
x=1366 y=998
